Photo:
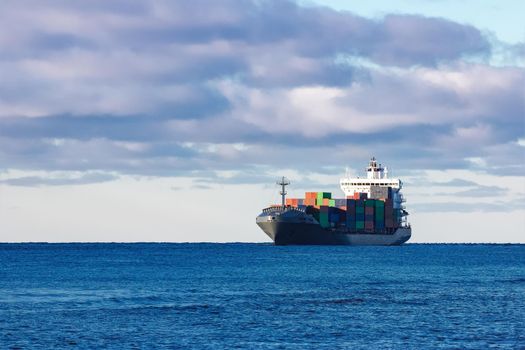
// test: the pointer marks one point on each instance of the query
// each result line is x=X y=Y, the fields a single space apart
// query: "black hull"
x=288 y=233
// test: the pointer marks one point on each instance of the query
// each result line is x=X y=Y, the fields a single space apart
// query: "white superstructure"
x=375 y=184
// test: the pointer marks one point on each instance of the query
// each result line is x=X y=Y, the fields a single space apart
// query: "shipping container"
x=324 y=216
x=309 y=201
x=310 y=195
x=369 y=211
x=359 y=225
x=321 y=195
x=323 y=220
x=339 y=202
x=331 y=202
x=377 y=192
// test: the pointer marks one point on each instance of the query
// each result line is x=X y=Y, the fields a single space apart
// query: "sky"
x=170 y=121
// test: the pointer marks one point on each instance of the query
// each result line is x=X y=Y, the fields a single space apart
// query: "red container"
x=369 y=210
x=369 y=225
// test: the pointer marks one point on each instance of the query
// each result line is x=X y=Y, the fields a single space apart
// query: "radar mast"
x=283 y=182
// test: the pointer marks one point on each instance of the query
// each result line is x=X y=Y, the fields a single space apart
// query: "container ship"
x=371 y=213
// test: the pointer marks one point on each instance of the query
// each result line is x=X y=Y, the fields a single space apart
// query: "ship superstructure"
x=376 y=186
x=372 y=213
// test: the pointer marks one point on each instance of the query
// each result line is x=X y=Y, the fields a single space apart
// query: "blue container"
x=334 y=217
x=339 y=202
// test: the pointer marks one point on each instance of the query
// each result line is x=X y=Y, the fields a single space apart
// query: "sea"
x=260 y=296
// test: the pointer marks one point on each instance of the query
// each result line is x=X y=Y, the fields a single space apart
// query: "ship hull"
x=308 y=234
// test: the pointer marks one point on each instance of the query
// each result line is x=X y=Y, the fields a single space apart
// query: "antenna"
x=283 y=182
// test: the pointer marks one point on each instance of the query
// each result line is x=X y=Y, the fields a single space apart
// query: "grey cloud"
x=478 y=191
x=482 y=191
x=98 y=73
x=459 y=207
x=456 y=182
x=430 y=41
x=34 y=181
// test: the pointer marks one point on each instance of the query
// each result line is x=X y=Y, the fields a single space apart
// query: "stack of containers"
x=350 y=213
x=324 y=216
x=294 y=202
x=323 y=198
x=360 y=214
x=379 y=215
x=369 y=214
x=359 y=195
x=389 y=213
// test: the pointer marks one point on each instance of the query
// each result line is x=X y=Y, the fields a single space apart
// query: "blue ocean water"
x=259 y=296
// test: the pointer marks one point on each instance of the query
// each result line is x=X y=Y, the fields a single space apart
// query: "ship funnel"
x=283 y=182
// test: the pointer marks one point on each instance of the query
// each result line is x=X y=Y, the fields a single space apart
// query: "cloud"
x=33 y=181
x=456 y=182
x=166 y=89
x=459 y=207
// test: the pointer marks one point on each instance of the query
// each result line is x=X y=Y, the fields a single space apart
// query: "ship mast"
x=283 y=182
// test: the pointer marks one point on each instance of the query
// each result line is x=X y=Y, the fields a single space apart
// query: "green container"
x=360 y=210
x=380 y=204
x=360 y=225
x=331 y=203
x=323 y=220
x=321 y=195
x=370 y=203
x=379 y=218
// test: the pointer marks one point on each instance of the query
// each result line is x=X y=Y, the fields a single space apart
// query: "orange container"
x=309 y=201
x=310 y=195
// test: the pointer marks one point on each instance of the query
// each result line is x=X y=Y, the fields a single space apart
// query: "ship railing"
x=281 y=209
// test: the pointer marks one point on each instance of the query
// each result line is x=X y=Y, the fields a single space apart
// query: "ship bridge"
x=376 y=179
